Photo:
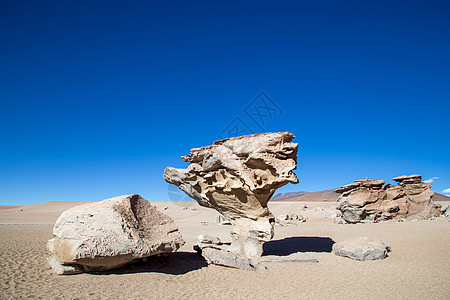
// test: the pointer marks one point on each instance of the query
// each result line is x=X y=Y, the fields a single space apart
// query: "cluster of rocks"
x=368 y=200
x=237 y=177
x=291 y=219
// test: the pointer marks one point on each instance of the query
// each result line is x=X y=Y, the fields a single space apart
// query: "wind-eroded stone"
x=237 y=177
x=369 y=201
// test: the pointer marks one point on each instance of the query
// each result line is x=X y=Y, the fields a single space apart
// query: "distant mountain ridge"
x=288 y=195
x=327 y=196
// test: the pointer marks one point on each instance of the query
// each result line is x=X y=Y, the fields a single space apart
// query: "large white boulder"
x=109 y=234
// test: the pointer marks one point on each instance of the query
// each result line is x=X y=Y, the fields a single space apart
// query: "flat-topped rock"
x=408 y=179
x=368 y=183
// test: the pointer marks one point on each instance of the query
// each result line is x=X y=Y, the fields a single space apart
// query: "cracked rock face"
x=109 y=234
x=237 y=177
x=369 y=201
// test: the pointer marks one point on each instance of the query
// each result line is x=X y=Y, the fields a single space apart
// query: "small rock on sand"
x=362 y=248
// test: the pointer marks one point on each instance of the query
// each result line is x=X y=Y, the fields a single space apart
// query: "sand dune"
x=417 y=267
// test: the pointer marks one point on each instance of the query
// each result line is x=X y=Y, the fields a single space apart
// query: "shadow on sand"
x=296 y=244
x=174 y=263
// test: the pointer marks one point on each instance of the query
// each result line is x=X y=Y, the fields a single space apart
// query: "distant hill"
x=327 y=196
x=440 y=197
x=288 y=195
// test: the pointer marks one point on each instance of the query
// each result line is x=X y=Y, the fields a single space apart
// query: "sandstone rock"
x=368 y=201
x=362 y=248
x=209 y=247
x=237 y=177
x=445 y=210
x=109 y=234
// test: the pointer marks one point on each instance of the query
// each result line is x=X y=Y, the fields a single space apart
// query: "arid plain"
x=416 y=268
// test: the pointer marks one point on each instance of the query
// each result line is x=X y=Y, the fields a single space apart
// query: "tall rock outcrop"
x=237 y=177
x=369 y=201
x=109 y=234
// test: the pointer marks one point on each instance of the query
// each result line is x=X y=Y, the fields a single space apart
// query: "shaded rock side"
x=237 y=177
x=109 y=234
x=369 y=201
x=362 y=248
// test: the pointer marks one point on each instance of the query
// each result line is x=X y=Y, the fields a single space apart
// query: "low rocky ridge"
x=328 y=196
x=109 y=234
x=365 y=201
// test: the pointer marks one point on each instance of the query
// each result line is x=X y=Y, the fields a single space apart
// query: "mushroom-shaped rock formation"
x=369 y=201
x=237 y=177
x=109 y=234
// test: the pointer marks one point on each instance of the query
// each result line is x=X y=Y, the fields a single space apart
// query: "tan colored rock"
x=109 y=234
x=237 y=177
x=369 y=201
x=215 y=253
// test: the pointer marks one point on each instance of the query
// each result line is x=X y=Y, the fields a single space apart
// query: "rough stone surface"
x=237 y=177
x=109 y=234
x=210 y=248
x=365 y=201
x=362 y=248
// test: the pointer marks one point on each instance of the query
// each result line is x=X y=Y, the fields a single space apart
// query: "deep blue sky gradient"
x=98 y=97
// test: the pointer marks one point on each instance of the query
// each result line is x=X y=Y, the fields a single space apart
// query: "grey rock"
x=362 y=248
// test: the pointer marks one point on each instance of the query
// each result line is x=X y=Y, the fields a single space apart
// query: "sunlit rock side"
x=109 y=234
x=237 y=177
x=369 y=201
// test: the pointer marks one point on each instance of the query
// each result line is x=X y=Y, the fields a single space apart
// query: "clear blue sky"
x=98 y=97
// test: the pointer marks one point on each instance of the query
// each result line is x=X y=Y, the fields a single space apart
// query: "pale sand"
x=417 y=268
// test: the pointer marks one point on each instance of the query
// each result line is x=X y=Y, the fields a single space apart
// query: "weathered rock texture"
x=109 y=234
x=369 y=201
x=362 y=248
x=215 y=253
x=237 y=177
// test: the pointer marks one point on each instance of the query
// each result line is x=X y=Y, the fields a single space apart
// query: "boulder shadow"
x=176 y=263
x=296 y=244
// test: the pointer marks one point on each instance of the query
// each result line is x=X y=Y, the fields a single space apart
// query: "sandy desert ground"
x=417 y=267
